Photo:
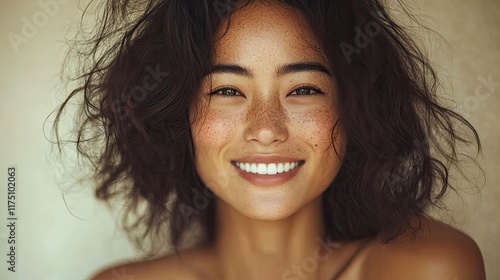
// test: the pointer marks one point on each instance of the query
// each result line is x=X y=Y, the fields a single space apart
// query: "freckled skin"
x=271 y=228
x=265 y=118
x=266 y=233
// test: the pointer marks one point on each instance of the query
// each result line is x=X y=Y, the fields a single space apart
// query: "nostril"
x=266 y=132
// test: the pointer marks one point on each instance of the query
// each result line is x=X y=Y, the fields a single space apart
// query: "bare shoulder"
x=188 y=265
x=439 y=251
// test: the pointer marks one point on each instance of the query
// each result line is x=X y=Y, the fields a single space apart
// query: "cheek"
x=212 y=131
x=315 y=125
x=213 y=128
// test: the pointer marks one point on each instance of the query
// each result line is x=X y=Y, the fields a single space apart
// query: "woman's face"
x=262 y=132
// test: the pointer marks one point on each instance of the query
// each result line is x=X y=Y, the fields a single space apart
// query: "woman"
x=294 y=139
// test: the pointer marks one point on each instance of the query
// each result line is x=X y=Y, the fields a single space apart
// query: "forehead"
x=263 y=31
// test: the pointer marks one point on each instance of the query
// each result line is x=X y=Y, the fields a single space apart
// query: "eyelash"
x=237 y=93
x=216 y=92
x=307 y=87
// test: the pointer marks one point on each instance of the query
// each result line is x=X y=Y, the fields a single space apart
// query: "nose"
x=266 y=122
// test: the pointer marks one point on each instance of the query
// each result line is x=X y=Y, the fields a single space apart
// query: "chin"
x=269 y=213
x=271 y=208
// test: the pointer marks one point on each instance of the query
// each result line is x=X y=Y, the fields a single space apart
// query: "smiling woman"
x=294 y=145
x=267 y=104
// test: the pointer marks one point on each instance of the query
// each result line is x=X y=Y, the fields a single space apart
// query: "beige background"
x=58 y=240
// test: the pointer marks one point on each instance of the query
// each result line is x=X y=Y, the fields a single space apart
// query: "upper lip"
x=267 y=159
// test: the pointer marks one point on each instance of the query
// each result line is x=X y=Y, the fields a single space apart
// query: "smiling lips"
x=267 y=168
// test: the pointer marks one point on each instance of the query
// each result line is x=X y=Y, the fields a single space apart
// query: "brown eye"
x=305 y=91
x=226 y=92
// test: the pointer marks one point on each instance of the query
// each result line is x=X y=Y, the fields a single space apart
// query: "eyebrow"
x=280 y=71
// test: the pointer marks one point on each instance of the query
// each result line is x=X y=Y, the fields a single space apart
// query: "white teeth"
x=254 y=168
x=267 y=169
x=261 y=168
x=287 y=167
x=280 y=168
x=271 y=169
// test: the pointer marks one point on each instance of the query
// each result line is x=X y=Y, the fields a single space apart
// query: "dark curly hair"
x=140 y=71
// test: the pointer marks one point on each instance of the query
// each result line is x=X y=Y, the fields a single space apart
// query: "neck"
x=259 y=249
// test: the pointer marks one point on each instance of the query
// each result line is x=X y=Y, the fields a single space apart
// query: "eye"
x=226 y=92
x=306 y=90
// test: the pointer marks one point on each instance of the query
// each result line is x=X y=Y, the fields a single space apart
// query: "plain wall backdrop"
x=71 y=236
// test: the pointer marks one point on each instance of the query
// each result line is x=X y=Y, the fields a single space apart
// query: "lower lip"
x=269 y=180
